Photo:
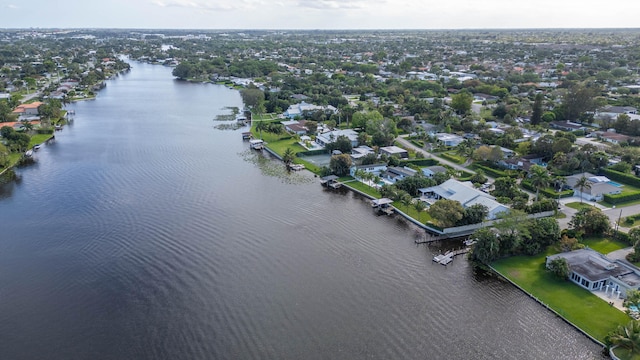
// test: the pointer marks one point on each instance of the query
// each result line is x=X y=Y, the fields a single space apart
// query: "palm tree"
x=406 y=200
x=583 y=183
x=288 y=157
x=539 y=178
x=420 y=206
x=627 y=337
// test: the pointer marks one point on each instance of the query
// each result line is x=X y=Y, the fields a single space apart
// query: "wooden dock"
x=446 y=258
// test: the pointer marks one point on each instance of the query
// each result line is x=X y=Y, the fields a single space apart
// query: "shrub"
x=621 y=198
x=622 y=177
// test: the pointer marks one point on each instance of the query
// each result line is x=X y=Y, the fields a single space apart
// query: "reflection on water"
x=145 y=233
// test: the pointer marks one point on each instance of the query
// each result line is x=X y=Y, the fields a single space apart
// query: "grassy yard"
x=360 y=186
x=579 y=306
x=280 y=146
x=604 y=245
x=579 y=205
x=422 y=217
x=453 y=157
x=39 y=139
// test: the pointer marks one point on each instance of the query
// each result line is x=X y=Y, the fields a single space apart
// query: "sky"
x=319 y=14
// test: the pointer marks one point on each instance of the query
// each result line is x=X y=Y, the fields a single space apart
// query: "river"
x=143 y=232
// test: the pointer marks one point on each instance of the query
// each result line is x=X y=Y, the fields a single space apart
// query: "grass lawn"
x=422 y=217
x=39 y=139
x=270 y=116
x=560 y=215
x=604 y=245
x=578 y=205
x=625 y=354
x=579 y=306
x=360 y=186
x=280 y=146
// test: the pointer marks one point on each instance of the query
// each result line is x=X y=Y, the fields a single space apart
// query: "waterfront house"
x=594 y=271
x=295 y=127
x=396 y=173
x=375 y=169
x=26 y=110
x=331 y=136
x=301 y=108
x=465 y=194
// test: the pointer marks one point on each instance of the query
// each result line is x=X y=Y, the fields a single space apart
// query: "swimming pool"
x=614 y=183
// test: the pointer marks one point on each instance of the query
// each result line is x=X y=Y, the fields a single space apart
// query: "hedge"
x=419 y=162
x=622 y=198
x=312 y=152
x=496 y=173
x=548 y=192
x=622 y=177
x=453 y=158
x=417 y=143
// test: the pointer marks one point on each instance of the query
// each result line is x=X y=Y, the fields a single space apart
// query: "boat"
x=37 y=147
x=256 y=144
x=29 y=153
x=296 y=167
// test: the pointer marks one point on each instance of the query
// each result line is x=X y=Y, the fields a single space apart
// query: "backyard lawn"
x=579 y=205
x=579 y=306
x=604 y=245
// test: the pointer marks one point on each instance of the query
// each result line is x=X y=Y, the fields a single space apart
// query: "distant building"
x=449 y=139
x=429 y=171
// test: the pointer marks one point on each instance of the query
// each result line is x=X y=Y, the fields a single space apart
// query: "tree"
x=446 y=212
x=559 y=267
x=406 y=200
x=627 y=337
x=474 y=214
x=252 y=98
x=591 y=221
x=539 y=178
x=482 y=153
x=583 y=183
x=420 y=206
x=487 y=246
x=342 y=143
x=288 y=157
x=536 y=116
x=562 y=145
x=340 y=164
x=544 y=232
x=479 y=177
x=579 y=99
x=496 y=154
x=461 y=102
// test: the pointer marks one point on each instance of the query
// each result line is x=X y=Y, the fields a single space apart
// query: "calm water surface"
x=144 y=233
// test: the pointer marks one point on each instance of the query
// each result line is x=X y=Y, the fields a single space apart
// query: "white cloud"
x=12 y=6
x=208 y=5
x=339 y=4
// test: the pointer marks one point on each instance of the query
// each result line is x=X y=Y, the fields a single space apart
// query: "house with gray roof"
x=429 y=171
x=396 y=173
x=598 y=186
x=465 y=194
x=596 y=272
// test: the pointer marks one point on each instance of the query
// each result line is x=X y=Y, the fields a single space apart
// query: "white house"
x=449 y=139
x=597 y=186
x=596 y=272
x=331 y=136
x=465 y=194
x=299 y=109
x=376 y=169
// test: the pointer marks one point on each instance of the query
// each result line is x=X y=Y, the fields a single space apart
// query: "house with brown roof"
x=614 y=138
x=30 y=109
